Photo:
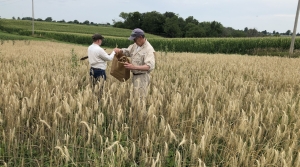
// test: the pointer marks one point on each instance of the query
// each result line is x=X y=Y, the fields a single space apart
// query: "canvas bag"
x=117 y=68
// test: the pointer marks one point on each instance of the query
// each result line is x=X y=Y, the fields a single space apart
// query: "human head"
x=136 y=33
x=97 y=36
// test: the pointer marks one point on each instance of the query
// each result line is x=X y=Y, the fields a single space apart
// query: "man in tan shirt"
x=142 y=61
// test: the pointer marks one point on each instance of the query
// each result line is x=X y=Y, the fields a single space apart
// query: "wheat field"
x=202 y=110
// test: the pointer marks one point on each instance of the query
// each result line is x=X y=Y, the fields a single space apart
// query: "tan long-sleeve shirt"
x=141 y=55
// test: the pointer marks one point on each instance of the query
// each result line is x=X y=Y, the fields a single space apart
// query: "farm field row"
x=81 y=34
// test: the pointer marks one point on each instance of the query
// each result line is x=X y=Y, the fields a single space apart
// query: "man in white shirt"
x=98 y=58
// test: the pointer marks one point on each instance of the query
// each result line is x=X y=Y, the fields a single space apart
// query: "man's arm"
x=104 y=56
x=124 y=51
x=133 y=67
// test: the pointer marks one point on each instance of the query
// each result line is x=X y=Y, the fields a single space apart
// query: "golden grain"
x=109 y=148
x=178 y=158
x=45 y=123
x=183 y=141
x=238 y=110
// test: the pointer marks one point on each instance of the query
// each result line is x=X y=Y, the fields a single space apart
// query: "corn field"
x=202 y=110
x=81 y=34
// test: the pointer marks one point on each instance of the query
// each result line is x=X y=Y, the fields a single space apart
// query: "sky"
x=270 y=15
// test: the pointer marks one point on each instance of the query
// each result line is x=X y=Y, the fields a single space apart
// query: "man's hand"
x=129 y=66
x=117 y=50
x=119 y=53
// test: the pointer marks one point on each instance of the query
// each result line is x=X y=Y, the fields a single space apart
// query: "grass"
x=70 y=28
x=80 y=34
x=8 y=36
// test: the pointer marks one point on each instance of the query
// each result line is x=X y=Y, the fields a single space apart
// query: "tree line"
x=171 y=25
x=49 y=19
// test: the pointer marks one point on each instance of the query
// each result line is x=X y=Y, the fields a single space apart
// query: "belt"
x=96 y=68
x=138 y=73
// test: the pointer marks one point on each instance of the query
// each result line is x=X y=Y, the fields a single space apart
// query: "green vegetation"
x=7 y=36
x=26 y=25
x=272 y=46
x=81 y=34
x=172 y=25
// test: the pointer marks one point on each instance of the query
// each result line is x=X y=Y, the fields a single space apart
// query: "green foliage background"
x=81 y=34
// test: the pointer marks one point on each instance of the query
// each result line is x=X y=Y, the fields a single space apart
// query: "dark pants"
x=96 y=74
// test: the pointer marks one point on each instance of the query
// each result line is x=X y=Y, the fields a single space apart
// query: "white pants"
x=141 y=84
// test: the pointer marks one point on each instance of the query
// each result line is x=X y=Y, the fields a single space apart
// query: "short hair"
x=97 y=36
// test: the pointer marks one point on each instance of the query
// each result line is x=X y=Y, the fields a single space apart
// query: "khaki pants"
x=140 y=85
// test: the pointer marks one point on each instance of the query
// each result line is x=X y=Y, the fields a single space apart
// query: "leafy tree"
x=288 y=32
x=14 y=18
x=238 y=33
x=171 y=27
x=252 y=33
x=182 y=24
x=76 y=21
x=206 y=26
x=153 y=22
x=86 y=22
x=194 y=31
x=49 y=19
x=118 y=24
x=191 y=19
x=264 y=32
x=124 y=15
x=277 y=34
x=133 y=20
x=27 y=18
x=188 y=26
x=216 y=29
x=19 y=18
x=61 y=21
x=170 y=14
x=230 y=32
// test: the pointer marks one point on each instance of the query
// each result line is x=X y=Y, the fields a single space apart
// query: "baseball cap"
x=97 y=36
x=136 y=33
